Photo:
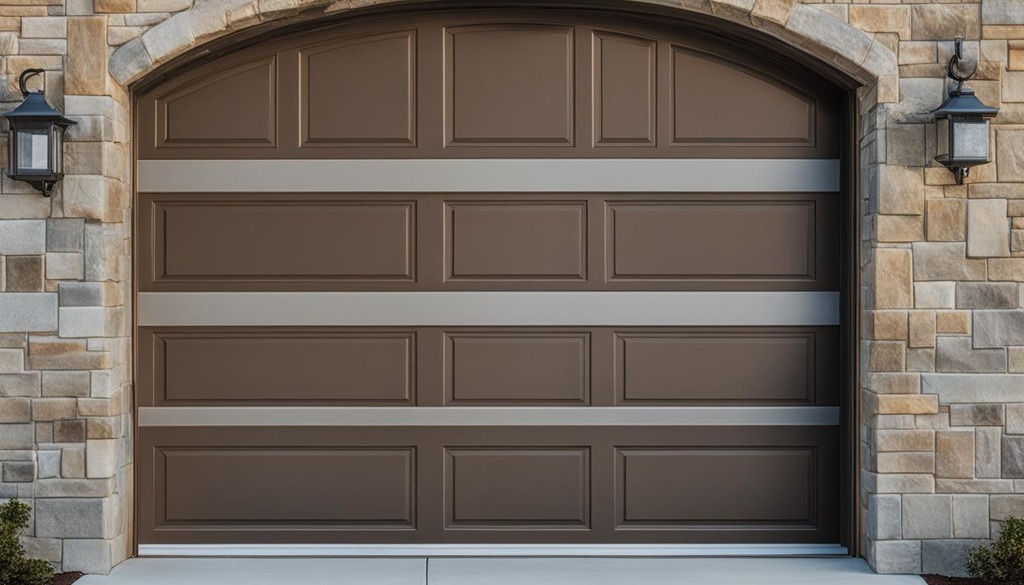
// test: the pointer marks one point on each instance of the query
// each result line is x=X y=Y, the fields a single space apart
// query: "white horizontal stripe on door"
x=491 y=175
x=551 y=309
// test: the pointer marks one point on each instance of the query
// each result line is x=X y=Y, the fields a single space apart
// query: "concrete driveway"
x=497 y=571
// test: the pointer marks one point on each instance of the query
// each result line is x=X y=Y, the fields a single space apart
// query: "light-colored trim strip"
x=490 y=175
x=489 y=550
x=373 y=309
x=303 y=416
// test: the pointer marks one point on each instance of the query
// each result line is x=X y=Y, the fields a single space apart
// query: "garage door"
x=519 y=281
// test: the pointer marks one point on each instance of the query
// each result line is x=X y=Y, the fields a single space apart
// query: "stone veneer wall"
x=942 y=373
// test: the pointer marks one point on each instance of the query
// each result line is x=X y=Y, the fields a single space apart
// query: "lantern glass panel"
x=33 y=148
x=942 y=136
x=970 y=140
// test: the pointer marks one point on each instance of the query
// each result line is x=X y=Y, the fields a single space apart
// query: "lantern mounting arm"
x=24 y=77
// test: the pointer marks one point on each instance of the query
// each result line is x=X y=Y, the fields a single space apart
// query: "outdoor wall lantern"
x=36 y=139
x=962 y=121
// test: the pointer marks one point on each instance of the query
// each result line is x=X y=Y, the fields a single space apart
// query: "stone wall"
x=942 y=373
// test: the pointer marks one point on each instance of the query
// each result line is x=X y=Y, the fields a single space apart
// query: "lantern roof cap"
x=35 y=108
x=961 y=102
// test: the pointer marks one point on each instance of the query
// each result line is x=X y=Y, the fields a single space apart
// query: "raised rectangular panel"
x=360 y=91
x=276 y=241
x=516 y=240
x=749 y=367
x=719 y=102
x=243 y=366
x=709 y=239
x=521 y=487
x=236 y=106
x=625 y=90
x=309 y=487
x=511 y=367
x=509 y=85
x=715 y=487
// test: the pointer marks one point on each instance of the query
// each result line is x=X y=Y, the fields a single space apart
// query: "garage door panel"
x=261 y=486
x=522 y=488
x=498 y=240
x=211 y=366
x=625 y=90
x=244 y=239
x=517 y=367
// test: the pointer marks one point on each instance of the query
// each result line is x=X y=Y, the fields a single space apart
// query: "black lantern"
x=36 y=139
x=962 y=122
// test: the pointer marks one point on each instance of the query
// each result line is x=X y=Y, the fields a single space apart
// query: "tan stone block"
x=72 y=462
x=51 y=409
x=954 y=454
x=10 y=24
x=86 y=72
x=1017 y=240
x=99 y=407
x=938 y=176
x=1015 y=55
x=922 y=329
x=51 y=353
x=905 y=440
x=953 y=322
x=881 y=19
x=947 y=220
x=890 y=325
x=917 y=52
x=886 y=356
x=908 y=404
x=894 y=383
x=946 y=21
x=15 y=410
x=1010 y=154
x=900 y=228
x=996 y=191
x=1015 y=356
x=893 y=282
x=1003 y=32
x=898 y=462
x=901 y=191
x=1006 y=269
x=111 y=6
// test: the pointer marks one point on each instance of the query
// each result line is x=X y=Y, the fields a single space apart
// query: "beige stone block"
x=939 y=420
x=163 y=5
x=900 y=228
x=113 y=6
x=945 y=21
x=908 y=404
x=45 y=27
x=905 y=145
x=905 y=440
x=886 y=356
x=917 y=52
x=1013 y=86
x=997 y=191
x=974 y=486
x=881 y=19
x=922 y=329
x=946 y=261
x=954 y=454
x=893 y=282
x=894 y=383
x=897 y=462
x=938 y=176
x=953 y=322
x=935 y=295
x=947 y=220
x=86 y=72
x=51 y=353
x=1010 y=155
x=1016 y=359
x=1003 y=32
x=773 y=11
x=901 y=191
x=890 y=325
x=51 y=409
x=72 y=462
x=1015 y=55
x=988 y=230
x=921 y=360
x=1004 y=505
x=15 y=410
x=10 y=24
x=99 y=407
x=1017 y=240
x=1006 y=269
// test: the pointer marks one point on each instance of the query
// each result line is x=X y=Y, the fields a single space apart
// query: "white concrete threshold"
x=491 y=571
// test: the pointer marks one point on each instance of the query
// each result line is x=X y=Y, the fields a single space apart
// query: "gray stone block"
x=17 y=436
x=884 y=518
x=28 y=312
x=49 y=463
x=19 y=471
x=955 y=354
x=1005 y=505
x=988 y=449
x=946 y=557
x=81 y=294
x=1013 y=456
x=1002 y=12
x=927 y=516
x=65 y=235
x=22 y=237
x=967 y=388
x=70 y=517
x=987 y=295
x=970 y=516
x=967 y=415
x=87 y=556
x=897 y=556
x=998 y=328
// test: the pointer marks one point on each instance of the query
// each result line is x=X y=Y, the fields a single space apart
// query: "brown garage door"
x=489 y=278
